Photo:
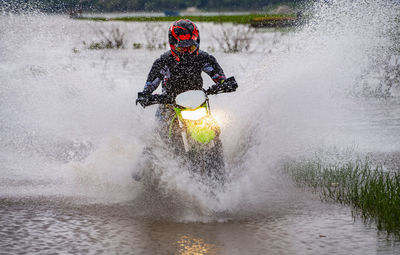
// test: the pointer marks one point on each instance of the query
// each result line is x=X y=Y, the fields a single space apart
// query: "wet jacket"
x=180 y=76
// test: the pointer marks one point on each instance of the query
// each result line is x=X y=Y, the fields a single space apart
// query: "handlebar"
x=229 y=85
x=148 y=99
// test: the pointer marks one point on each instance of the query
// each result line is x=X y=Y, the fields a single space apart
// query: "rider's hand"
x=224 y=86
x=142 y=98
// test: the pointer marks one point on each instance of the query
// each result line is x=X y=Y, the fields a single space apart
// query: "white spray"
x=69 y=119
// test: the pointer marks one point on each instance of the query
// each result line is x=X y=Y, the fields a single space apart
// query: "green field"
x=251 y=19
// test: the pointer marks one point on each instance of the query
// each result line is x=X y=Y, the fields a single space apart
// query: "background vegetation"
x=141 y=5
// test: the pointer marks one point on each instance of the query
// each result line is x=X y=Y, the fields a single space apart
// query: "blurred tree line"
x=139 y=5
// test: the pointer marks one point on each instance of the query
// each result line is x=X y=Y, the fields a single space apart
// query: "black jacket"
x=183 y=75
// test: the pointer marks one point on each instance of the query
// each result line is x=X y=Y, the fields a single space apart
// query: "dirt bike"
x=193 y=132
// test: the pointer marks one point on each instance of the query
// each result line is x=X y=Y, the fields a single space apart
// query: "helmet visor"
x=189 y=49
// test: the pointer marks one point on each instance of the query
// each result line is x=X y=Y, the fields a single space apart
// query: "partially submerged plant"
x=371 y=190
x=137 y=45
x=383 y=77
x=156 y=37
x=391 y=75
x=113 y=39
x=235 y=39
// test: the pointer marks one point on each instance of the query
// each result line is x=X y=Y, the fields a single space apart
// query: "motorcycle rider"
x=179 y=69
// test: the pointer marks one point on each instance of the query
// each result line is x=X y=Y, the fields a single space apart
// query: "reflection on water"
x=188 y=245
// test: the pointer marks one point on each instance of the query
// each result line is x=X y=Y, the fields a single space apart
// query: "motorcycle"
x=193 y=132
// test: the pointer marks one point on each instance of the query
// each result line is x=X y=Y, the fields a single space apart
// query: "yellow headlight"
x=194 y=115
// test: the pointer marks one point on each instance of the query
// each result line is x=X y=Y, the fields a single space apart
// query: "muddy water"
x=53 y=226
x=71 y=137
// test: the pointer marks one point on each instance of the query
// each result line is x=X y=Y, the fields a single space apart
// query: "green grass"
x=373 y=192
x=237 y=19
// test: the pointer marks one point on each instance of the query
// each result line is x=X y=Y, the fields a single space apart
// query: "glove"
x=231 y=84
x=143 y=99
x=228 y=85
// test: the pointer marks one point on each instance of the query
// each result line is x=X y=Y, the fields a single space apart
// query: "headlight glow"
x=194 y=115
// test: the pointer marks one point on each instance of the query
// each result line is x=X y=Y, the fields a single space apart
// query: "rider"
x=180 y=68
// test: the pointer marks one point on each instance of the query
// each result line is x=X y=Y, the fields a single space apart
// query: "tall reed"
x=372 y=191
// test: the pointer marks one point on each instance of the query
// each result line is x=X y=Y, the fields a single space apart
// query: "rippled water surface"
x=71 y=138
x=57 y=226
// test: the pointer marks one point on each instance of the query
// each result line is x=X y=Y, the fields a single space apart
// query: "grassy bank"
x=251 y=19
x=372 y=192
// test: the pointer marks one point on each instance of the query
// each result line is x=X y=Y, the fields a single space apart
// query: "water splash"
x=63 y=102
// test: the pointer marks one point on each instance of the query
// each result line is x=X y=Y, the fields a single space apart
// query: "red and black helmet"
x=183 y=36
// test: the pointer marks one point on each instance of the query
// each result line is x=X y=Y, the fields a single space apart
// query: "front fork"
x=183 y=132
x=184 y=136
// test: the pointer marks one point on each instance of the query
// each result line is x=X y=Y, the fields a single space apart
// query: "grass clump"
x=137 y=46
x=156 y=36
x=113 y=39
x=235 y=39
x=373 y=192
